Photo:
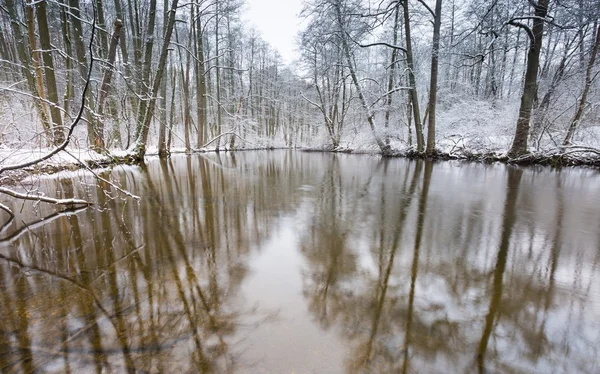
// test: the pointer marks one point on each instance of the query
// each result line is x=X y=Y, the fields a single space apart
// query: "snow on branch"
x=428 y=8
x=381 y=44
x=527 y=29
x=548 y=20
x=44 y=199
x=222 y=135
x=7 y=210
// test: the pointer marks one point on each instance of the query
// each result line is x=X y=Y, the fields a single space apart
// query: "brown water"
x=289 y=262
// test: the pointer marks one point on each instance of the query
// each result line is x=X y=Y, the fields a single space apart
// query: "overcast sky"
x=278 y=22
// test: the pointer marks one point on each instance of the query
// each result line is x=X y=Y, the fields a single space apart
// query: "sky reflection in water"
x=307 y=263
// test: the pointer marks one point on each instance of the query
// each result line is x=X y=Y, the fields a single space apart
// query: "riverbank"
x=573 y=156
x=76 y=159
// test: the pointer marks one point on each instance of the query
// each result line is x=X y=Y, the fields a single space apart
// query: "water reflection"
x=402 y=267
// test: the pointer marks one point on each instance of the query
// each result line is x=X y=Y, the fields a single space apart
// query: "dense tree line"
x=405 y=62
x=164 y=73
x=402 y=72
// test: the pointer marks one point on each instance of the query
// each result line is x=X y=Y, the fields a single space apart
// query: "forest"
x=134 y=237
x=95 y=83
x=450 y=76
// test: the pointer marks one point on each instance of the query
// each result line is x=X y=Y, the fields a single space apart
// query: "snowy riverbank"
x=77 y=158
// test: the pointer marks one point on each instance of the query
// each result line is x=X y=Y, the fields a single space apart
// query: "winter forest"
x=415 y=190
x=449 y=76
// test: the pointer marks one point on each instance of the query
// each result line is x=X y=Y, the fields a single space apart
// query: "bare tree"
x=535 y=34
x=583 y=100
x=435 y=53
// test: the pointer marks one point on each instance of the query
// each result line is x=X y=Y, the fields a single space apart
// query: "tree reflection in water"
x=400 y=267
x=403 y=312
x=135 y=287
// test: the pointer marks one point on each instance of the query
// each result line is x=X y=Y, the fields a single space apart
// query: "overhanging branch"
x=44 y=199
x=523 y=26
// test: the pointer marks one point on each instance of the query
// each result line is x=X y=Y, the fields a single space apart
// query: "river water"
x=291 y=262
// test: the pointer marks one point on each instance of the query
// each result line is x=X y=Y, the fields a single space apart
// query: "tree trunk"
x=39 y=77
x=146 y=69
x=80 y=51
x=124 y=53
x=435 y=53
x=101 y=23
x=390 y=82
x=23 y=55
x=542 y=109
x=144 y=128
x=217 y=80
x=588 y=83
x=412 y=80
x=57 y=124
x=185 y=82
x=519 y=145
x=112 y=52
x=70 y=87
x=200 y=86
x=384 y=148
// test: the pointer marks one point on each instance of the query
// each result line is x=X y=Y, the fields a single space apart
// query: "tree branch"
x=383 y=44
x=428 y=8
x=42 y=221
x=10 y=219
x=544 y=19
x=527 y=29
x=222 y=135
x=7 y=210
x=44 y=199
x=400 y=88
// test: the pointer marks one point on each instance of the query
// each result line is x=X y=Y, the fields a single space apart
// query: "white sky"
x=278 y=23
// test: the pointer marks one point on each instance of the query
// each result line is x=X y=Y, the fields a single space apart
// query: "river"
x=292 y=262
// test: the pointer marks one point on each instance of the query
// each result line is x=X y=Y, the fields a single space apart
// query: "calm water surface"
x=289 y=262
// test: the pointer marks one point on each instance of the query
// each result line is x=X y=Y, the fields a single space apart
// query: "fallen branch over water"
x=72 y=203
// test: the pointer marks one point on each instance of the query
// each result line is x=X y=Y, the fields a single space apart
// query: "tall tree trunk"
x=519 y=145
x=69 y=86
x=124 y=53
x=217 y=79
x=384 y=148
x=185 y=82
x=586 y=89
x=105 y=87
x=514 y=64
x=39 y=77
x=540 y=118
x=144 y=128
x=172 y=108
x=80 y=51
x=435 y=53
x=101 y=23
x=23 y=55
x=200 y=85
x=162 y=123
x=412 y=80
x=57 y=124
x=391 y=73
x=147 y=68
